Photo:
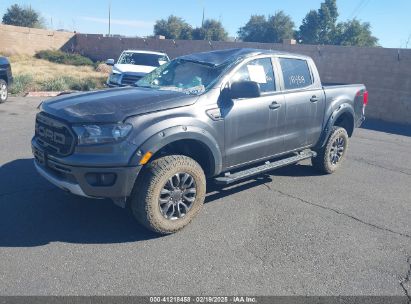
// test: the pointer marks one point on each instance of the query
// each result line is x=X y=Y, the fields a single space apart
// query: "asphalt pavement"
x=291 y=232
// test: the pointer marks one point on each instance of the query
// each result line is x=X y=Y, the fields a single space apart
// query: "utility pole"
x=202 y=22
x=408 y=41
x=109 y=18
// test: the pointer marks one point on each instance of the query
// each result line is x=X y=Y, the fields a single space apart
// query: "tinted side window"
x=258 y=70
x=296 y=73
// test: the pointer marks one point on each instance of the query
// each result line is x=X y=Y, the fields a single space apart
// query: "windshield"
x=192 y=78
x=154 y=60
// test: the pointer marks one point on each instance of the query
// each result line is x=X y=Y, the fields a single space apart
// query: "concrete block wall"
x=24 y=40
x=385 y=72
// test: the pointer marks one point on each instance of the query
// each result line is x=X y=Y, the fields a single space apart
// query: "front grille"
x=129 y=79
x=53 y=135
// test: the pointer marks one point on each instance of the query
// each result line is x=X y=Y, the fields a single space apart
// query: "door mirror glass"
x=110 y=62
x=245 y=89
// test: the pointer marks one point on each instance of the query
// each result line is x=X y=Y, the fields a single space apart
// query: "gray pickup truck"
x=220 y=116
x=6 y=78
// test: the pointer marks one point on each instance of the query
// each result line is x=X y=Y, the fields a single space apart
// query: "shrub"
x=103 y=68
x=21 y=84
x=84 y=85
x=56 y=84
x=64 y=58
x=65 y=83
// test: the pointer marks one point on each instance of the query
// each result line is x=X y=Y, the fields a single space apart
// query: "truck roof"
x=145 y=52
x=220 y=57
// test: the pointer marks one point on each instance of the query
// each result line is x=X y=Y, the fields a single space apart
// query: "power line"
x=362 y=4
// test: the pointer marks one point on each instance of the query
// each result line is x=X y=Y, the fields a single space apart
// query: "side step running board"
x=268 y=166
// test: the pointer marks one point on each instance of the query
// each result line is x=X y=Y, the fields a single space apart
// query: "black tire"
x=160 y=176
x=330 y=157
x=4 y=93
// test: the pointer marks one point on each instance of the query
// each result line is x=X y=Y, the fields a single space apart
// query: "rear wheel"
x=4 y=93
x=169 y=194
x=330 y=157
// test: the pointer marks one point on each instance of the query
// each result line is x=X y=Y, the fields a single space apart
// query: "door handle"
x=274 y=105
x=314 y=99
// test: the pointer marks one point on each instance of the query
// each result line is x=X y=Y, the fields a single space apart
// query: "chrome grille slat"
x=128 y=79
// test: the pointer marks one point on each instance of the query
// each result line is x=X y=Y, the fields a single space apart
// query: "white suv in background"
x=133 y=65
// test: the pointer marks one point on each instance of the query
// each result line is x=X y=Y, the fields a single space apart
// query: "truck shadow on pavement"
x=387 y=127
x=215 y=192
x=34 y=213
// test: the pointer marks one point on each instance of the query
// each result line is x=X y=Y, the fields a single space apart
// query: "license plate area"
x=40 y=156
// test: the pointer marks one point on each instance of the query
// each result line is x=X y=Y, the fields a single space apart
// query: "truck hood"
x=114 y=105
x=131 y=68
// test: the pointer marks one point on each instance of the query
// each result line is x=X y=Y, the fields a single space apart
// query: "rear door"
x=253 y=126
x=305 y=103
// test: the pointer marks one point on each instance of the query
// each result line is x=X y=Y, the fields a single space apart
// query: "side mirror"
x=245 y=89
x=110 y=62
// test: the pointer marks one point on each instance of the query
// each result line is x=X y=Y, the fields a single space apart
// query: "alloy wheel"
x=177 y=196
x=337 y=150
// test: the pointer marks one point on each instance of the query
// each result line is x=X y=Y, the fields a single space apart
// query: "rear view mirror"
x=245 y=89
x=110 y=62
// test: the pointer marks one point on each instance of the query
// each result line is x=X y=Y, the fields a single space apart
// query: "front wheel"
x=4 y=93
x=169 y=194
x=330 y=157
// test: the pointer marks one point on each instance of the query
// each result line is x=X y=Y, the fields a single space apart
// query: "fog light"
x=101 y=179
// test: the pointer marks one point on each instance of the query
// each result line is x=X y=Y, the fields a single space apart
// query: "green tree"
x=319 y=27
x=23 y=16
x=355 y=33
x=279 y=27
x=254 y=30
x=328 y=14
x=274 y=29
x=309 y=32
x=211 y=30
x=173 y=28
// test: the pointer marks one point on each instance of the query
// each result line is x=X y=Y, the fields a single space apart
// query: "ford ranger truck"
x=220 y=116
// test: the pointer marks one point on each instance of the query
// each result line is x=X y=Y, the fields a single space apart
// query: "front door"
x=253 y=126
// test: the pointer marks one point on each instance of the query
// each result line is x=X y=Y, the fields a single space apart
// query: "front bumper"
x=83 y=181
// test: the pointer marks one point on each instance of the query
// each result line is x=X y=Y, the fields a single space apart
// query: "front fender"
x=173 y=134
x=342 y=108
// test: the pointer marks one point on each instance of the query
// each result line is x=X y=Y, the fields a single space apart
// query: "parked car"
x=6 y=78
x=132 y=65
x=223 y=115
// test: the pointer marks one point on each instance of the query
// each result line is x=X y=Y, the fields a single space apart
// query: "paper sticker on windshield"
x=257 y=73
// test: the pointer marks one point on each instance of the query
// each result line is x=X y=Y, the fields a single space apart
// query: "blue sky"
x=390 y=20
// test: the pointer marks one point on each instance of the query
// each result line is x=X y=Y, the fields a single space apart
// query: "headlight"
x=114 y=78
x=99 y=134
